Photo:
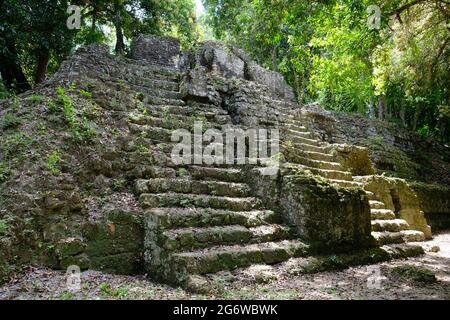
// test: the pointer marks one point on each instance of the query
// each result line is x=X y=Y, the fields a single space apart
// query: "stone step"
x=296 y=126
x=220 y=174
x=374 y=204
x=155 y=133
x=219 y=258
x=170 y=122
x=196 y=238
x=168 y=148
x=371 y=195
x=303 y=140
x=386 y=237
x=148 y=172
x=155 y=100
x=382 y=214
x=126 y=74
x=346 y=184
x=319 y=164
x=393 y=225
x=183 y=200
x=290 y=133
x=156 y=92
x=333 y=174
x=329 y=174
x=154 y=84
x=144 y=69
x=170 y=218
x=316 y=155
x=217 y=188
x=307 y=147
x=413 y=236
x=180 y=112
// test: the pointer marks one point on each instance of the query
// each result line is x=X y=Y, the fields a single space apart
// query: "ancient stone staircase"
x=203 y=219
x=200 y=219
x=311 y=154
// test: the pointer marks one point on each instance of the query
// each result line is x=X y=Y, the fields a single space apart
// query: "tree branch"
x=405 y=7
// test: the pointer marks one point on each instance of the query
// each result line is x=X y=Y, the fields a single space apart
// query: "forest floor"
x=423 y=277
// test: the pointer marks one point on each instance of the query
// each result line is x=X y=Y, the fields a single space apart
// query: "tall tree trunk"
x=403 y=113
x=381 y=107
x=298 y=88
x=41 y=68
x=371 y=108
x=120 y=45
x=274 y=58
x=12 y=74
x=416 y=117
x=94 y=19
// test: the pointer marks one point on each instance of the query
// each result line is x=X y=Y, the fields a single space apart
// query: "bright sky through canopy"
x=199 y=7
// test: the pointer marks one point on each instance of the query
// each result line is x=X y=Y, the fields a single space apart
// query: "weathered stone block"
x=354 y=159
x=218 y=59
x=327 y=217
x=434 y=200
x=324 y=216
x=158 y=50
x=115 y=243
x=273 y=80
x=197 y=86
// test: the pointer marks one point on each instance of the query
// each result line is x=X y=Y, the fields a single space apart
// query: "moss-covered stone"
x=328 y=217
x=354 y=159
x=115 y=243
x=434 y=200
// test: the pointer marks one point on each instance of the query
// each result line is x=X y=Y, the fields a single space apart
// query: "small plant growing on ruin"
x=416 y=274
x=3 y=226
x=36 y=98
x=52 y=160
x=10 y=121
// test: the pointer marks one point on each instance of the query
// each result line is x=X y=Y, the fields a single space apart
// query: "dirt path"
x=381 y=281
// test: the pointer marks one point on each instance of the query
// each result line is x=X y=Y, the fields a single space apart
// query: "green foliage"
x=67 y=295
x=52 y=160
x=34 y=32
x=4 y=92
x=9 y=121
x=36 y=98
x=86 y=94
x=120 y=292
x=421 y=275
x=328 y=54
x=80 y=128
x=14 y=144
x=4 y=226
x=4 y=172
x=118 y=184
x=182 y=172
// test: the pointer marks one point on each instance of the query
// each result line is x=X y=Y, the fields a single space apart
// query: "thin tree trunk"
x=274 y=59
x=416 y=117
x=403 y=114
x=381 y=107
x=120 y=45
x=371 y=109
x=94 y=19
x=11 y=71
x=41 y=68
x=298 y=89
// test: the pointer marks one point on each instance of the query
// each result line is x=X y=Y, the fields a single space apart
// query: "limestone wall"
x=435 y=202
